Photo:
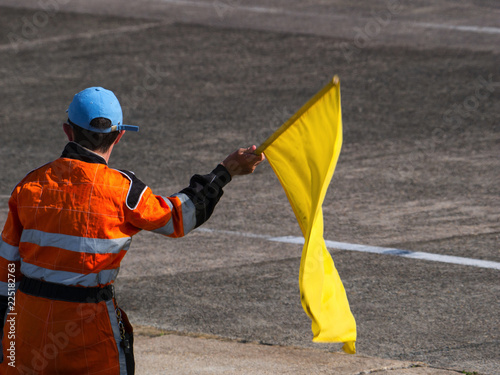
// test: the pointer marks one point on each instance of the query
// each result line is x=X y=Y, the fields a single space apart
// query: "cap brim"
x=131 y=128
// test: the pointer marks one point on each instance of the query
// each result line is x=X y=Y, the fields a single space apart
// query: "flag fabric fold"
x=303 y=153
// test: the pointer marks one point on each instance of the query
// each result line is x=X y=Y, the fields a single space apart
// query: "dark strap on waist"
x=60 y=292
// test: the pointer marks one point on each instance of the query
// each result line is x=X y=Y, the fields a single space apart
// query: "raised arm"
x=178 y=214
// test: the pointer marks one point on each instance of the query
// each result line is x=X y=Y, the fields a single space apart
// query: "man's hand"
x=242 y=161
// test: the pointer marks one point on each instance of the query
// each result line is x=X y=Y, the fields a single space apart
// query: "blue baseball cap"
x=97 y=102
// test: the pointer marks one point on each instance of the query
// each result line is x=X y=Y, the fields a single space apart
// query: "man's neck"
x=104 y=155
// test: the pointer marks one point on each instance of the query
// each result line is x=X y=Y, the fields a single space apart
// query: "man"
x=70 y=223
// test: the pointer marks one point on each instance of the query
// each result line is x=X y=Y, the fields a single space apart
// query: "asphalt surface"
x=418 y=169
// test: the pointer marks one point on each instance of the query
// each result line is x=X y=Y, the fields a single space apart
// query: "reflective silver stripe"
x=168 y=228
x=116 y=333
x=9 y=252
x=74 y=243
x=188 y=216
x=68 y=278
x=167 y=201
x=188 y=212
x=4 y=288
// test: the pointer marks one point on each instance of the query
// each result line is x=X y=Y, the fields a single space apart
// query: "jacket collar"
x=75 y=151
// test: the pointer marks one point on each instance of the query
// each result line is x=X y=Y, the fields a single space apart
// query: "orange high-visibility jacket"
x=71 y=222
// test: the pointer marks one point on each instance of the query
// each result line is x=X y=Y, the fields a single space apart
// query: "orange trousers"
x=46 y=337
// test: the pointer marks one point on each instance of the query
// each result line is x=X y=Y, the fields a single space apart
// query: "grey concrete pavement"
x=165 y=353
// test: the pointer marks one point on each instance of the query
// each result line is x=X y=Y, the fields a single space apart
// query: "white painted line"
x=4 y=196
x=221 y=6
x=474 y=29
x=27 y=44
x=450 y=259
x=223 y=9
x=235 y=233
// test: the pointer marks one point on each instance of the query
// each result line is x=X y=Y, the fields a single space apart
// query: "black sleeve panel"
x=135 y=191
x=205 y=192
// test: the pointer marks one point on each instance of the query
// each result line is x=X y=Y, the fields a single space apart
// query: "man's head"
x=95 y=117
x=100 y=142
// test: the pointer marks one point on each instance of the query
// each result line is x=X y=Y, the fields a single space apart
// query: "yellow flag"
x=303 y=153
